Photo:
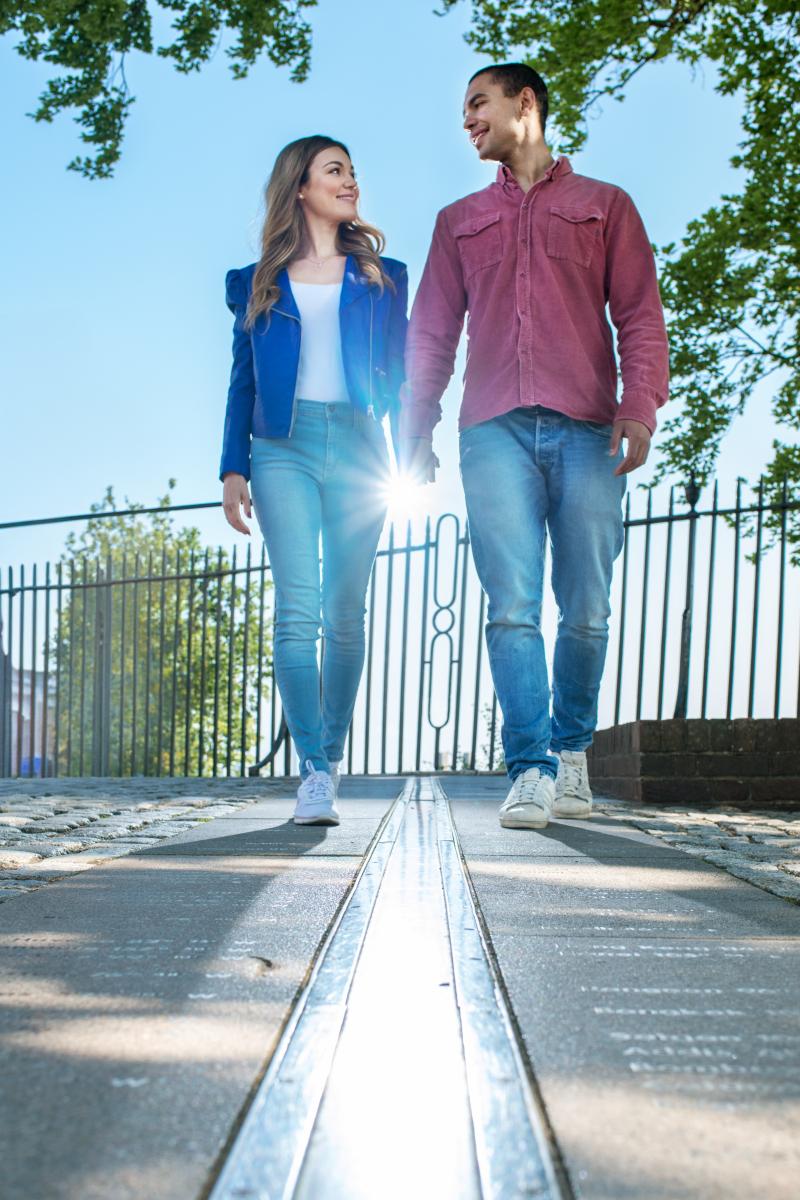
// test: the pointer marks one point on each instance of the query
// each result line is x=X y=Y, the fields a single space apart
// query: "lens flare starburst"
x=405 y=497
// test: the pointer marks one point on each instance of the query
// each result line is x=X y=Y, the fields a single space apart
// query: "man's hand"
x=637 y=436
x=235 y=496
x=417 y=459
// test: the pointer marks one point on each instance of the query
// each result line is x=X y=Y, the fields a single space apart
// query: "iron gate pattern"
x=164 y=667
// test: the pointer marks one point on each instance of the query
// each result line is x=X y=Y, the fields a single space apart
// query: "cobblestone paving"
x=761 y=847
x=53 y=828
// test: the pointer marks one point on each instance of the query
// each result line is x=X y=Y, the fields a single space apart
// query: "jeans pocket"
x=465 y=437
x=370 y=426
x=598 y=428
x=372 y=432
x=266 y=451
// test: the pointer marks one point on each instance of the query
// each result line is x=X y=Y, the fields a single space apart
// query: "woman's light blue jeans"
x=328 y=479
x=526 y=473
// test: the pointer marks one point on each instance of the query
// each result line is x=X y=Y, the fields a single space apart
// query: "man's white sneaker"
x=336 y=776
x=529 y=803
x=316 y=799
x=573 y=794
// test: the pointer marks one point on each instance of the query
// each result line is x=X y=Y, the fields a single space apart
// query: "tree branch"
x=781 y=359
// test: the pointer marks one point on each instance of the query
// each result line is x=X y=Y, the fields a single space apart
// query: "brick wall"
x=744 y=763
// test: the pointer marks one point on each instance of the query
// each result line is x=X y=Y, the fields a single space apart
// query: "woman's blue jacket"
x=261 y=395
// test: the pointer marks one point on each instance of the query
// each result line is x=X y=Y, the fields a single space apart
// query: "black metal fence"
x=162 y=665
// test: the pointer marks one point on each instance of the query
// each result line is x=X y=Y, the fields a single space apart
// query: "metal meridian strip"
x=514 y=1156
x=395 y=1121
x=265 y=1160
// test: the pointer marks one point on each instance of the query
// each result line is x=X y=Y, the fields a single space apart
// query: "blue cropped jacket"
x=261 y=395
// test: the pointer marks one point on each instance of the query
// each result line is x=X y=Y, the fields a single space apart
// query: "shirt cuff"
x=639 y=404
x=417 y=421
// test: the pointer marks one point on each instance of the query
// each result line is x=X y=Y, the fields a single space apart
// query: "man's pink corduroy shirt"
x=535 y=272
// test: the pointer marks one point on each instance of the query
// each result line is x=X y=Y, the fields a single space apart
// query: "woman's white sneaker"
x=573 y=794
x=530 y=802
x=316 y=799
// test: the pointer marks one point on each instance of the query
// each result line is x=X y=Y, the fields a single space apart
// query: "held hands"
x=417 y=460
x=637 y=436
x=234 y=497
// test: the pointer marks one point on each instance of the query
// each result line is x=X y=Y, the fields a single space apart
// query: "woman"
x=318 y=341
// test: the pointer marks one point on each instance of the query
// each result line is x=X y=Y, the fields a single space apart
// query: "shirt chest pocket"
x=573 y=233
x=479 y=242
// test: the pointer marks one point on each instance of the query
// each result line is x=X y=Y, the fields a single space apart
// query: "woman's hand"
x=235 y=496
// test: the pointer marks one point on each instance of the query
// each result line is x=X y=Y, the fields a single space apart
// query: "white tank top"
x=320 y=375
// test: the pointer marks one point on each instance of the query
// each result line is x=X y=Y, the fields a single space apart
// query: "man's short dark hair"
x=513 y=77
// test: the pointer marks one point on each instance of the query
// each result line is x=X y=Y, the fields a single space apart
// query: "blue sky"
x=116 y=336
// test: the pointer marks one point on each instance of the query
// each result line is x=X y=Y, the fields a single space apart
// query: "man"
x=534 y=259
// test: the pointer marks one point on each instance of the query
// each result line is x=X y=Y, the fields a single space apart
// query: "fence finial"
x=692 y=490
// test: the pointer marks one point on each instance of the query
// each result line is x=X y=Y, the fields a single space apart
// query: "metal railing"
x=163 y=665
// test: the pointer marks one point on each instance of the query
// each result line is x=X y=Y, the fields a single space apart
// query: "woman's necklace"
x=319 y=263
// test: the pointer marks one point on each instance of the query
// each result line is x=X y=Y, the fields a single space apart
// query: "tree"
x=158 y=650
x=730 y=285
x=92 y=41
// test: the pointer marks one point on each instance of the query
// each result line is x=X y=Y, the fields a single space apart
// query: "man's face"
x=494 y=121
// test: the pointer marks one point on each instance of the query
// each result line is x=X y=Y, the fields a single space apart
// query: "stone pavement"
x=760 y=847
x=53 y=828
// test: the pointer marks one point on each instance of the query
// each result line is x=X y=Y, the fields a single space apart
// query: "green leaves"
x=731 y=285
x=94 y=38
x=160 y=648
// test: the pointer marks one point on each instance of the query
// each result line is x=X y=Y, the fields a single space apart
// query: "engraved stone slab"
x=658 y=1002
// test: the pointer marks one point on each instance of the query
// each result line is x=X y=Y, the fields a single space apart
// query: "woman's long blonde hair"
x=284 y=234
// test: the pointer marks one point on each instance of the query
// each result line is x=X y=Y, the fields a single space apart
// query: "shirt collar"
x=561 y=166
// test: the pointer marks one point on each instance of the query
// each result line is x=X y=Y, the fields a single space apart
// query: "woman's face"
x=331 y=191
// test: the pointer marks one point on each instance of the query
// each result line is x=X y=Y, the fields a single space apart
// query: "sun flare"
x=405 y=497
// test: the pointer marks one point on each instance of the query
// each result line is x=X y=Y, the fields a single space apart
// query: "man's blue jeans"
x=527 y=473
x=329 y=478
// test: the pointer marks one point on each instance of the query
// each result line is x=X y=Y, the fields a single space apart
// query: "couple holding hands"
x=323 y=351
